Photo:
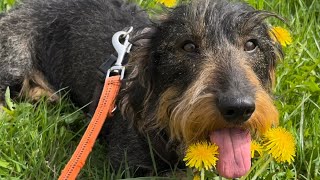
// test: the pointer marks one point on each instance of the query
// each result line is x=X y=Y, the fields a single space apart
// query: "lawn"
x=36 y=140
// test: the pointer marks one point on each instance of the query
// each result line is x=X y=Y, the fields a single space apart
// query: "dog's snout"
x=236 y=109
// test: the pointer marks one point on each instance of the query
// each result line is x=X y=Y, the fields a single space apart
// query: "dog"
x=202 y=71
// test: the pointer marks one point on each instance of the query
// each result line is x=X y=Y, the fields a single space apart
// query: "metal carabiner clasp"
x=124 y=48
x=121 y=49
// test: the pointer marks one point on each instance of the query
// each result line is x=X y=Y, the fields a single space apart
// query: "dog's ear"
x=139 y=82
x=140 y=60
x=143 y=37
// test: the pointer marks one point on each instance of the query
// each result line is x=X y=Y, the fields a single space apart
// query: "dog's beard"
x=194 y=117
x=200 y=120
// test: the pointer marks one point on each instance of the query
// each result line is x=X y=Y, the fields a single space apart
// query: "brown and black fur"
x=183 y=69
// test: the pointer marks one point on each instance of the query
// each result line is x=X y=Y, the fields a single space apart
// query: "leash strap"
x=105 y=106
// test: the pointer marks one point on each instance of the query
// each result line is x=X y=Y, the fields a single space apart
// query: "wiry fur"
x=169 y=96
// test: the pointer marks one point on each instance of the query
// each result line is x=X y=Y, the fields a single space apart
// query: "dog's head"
x=206 y=73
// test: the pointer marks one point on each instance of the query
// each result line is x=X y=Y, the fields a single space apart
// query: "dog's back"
x=65 y=39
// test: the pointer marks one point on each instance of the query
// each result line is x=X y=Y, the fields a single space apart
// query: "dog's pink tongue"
x=234 y=152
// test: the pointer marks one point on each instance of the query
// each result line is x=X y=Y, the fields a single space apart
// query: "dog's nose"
x=237 y=110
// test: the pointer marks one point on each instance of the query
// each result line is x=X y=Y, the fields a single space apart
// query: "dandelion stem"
x=202 y=174
x=259 y=161
x=263 y=167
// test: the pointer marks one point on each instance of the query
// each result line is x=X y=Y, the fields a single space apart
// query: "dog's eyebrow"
x=255 y=18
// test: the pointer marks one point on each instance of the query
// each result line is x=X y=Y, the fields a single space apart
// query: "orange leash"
x=105 y=107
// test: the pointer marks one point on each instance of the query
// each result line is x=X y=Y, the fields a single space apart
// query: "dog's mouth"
x=234 y=151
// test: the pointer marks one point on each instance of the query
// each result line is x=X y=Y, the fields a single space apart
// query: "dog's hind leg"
x=17 y=73
x=17 y=57
x=15 y=60
x=15 y=54
x=36 y=86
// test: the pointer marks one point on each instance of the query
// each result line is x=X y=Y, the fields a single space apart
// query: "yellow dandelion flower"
x=255 y=147
x=196 y=177
x=168 y=3
x=281 y=35
x=201 y=155
x=280 y=144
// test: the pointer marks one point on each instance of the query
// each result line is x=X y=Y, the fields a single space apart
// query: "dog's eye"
x=189 y=47
x=250 y=45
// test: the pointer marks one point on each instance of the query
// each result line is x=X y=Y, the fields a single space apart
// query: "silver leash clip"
x=122 y=49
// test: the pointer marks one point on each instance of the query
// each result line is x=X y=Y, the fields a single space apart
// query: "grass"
x=6 y=4
x=36 y=140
